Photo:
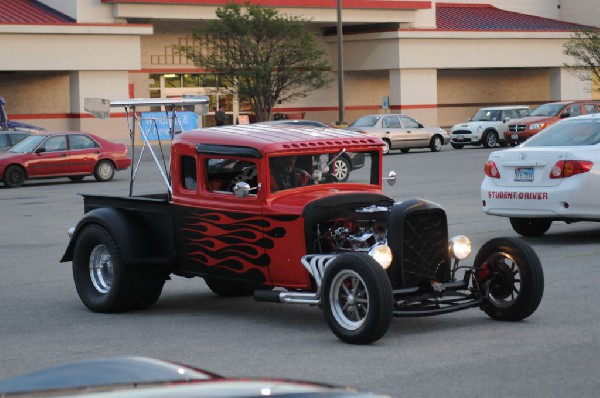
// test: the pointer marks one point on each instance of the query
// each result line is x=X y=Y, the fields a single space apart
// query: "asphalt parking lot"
x=554 y=353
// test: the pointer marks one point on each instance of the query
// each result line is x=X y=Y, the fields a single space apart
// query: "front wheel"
x=530 y=226
x=357 y=299
x=510 y=277
x=342 y=169
x=104 y=171
x=490 y=139
x=14 y=176
x=435 y=144
x=104 y=283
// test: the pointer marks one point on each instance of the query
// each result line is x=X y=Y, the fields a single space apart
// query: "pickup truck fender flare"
x=136 y=243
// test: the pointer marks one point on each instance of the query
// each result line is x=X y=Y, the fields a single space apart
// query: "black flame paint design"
x=234 y=244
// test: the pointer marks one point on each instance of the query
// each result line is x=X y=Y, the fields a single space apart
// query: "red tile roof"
x=458 y=16
x=30 y=12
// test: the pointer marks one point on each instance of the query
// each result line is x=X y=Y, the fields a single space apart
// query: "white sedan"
x=553 y=176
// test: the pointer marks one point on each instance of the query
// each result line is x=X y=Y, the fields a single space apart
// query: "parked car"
x=343 y=164
x=62 y=154
x=402 y=132
x=553 y=176
x=486 y=127
x=10 y=138
x=545 y=115
x=128 y=377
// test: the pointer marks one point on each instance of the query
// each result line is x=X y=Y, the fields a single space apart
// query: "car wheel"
x=104 y=283
x=357 y=298
x=404 y=150
x=457 y=146
x=435 y=144
x=228 y=288
x=530 y=226
x=342 y=169
x=14 y=176
x=76 y=178
x=104 y=171
x=510 y=277
x=490 y=139
x=387 y=147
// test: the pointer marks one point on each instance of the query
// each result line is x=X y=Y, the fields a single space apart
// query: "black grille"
x=515 y=128
x=425 y=248
x=462 y=132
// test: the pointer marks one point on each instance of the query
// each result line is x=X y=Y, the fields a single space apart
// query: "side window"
x=574 y=110
x=3 y=140
x=409 y=123
x=223 y=174
x=590 y=108
x=391 y=121
x=80 y=141
x=189 y=175
x=524 y=112
x=56 y=144
x=509 y=113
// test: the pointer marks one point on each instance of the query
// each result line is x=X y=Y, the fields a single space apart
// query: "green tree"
x=584 y=47
x=260 y=55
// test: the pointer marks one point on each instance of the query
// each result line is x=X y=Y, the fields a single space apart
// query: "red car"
x=62 y=154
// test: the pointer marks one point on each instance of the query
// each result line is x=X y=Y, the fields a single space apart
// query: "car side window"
x=523 y=112
x=391 y=121
x=574 y=110
x=591 y=108
x=189 y=175
x=80 y=141
x=56 y=143
x=223 y=174
x=409 y=123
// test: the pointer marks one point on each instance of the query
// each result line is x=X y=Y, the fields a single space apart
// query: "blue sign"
x=157 y=125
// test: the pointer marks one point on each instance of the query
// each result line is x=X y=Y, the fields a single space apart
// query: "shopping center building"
x=437 y=61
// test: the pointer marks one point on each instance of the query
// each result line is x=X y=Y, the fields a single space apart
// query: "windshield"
x=290 y=172
x=28 y=144
x=568 y=133
x=365 y=121
x=486 y=115
x=547 y=110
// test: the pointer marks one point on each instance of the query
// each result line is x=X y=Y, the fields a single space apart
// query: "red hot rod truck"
x=345 y=247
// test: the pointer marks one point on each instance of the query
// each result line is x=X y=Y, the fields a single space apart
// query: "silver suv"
x=486 y=127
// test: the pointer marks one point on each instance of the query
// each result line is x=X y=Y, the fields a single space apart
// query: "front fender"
x=137 y=242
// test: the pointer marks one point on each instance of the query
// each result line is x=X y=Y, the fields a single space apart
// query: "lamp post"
x=340 y=57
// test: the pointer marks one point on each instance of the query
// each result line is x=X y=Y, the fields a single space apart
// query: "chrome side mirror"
x=391 y=178
x=241 y=189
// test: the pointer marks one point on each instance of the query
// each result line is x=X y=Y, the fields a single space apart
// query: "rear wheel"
x=104 y=171
x=387 y=147
x=357 y=299
x=227 y=288
x=14 y=176
x=489 y=139
x=435 y=144
x=104 y=283
x=510 y=272
x=530 y=226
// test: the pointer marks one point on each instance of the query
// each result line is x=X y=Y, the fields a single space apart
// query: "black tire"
x=530 y=226
x=104 y=171
x=489 y=139
x=104 y=283
x=342 y=169
x=513 y=272
x=404 y=150
x=456 y=146
x=436 y=143
x=227 y=288
x=14 y=176
x=76 y=178
x=388 y=146
x=357 y=298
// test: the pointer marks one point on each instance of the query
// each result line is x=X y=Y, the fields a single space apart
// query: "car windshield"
x=568 y=133
x=486 y=115
x=365 y=121
x=547 y=110
x=28 y=144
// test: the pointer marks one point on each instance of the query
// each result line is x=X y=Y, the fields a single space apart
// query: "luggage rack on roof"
x=100 y=108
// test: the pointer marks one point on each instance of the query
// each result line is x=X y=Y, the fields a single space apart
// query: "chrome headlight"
x=459 y=247
x=382 y=254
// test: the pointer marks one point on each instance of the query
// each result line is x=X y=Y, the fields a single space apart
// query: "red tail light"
x=568 y=168
x=491 y=170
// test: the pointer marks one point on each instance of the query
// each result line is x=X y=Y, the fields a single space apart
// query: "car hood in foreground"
x=139 y=377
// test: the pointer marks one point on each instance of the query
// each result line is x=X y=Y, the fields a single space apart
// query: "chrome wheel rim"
x=104 y=171
x=386 y=147
x=491 y=140
x=349 y=299
x=437 y=144
x=101 y=269
x=341 y=169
